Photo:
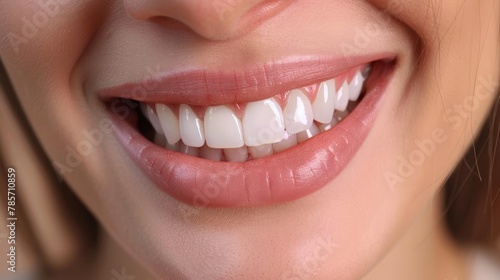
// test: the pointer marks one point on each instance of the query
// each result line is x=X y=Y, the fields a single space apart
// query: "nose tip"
x=213 y=20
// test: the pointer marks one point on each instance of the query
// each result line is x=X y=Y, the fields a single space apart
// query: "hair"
x=472 y=192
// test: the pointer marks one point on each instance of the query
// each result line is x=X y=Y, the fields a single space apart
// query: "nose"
x=211 y=19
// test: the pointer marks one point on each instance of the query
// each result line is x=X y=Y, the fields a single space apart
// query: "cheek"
x=53 y=33
x=40 y=47
x=454 y=84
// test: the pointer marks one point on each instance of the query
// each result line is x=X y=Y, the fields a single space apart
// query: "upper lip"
x=206 y=87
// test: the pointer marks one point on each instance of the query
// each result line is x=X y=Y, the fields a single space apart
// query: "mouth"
x=271 y=134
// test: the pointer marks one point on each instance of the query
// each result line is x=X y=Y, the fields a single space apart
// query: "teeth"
x=263 y=123
x=310 y=133
x=236 y=154
x=289 y=141
x=337 y=118
x=191 y=127
x=192 y=151
x=356 y=86
x=298 y=112
x=261 y=151
x=160 y=140
x=222 y=128
x=324 y=104
x=342 y=97
x=152 y=117
x=169 y=123
x=210 y=153
x=265 y=128
x=175 y=147
x=328 y=126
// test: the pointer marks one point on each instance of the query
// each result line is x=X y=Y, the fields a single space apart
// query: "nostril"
x=214 y=20
x=170 y=23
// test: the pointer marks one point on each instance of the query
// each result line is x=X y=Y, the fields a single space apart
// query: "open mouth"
x=242 y=132
x=206 y=151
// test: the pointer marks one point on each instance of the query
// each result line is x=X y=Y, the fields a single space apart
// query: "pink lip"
x=205 y=88
x=282 y=177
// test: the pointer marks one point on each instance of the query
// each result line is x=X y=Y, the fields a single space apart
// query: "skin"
x=374 y=227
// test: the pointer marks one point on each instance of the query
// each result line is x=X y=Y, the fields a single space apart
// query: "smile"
x=271 y=134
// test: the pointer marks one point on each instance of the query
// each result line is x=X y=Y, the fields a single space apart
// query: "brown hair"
x=472 y=193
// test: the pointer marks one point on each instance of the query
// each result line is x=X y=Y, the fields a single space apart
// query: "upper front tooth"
x=342 y=97
x=222 y=128
x=153 y=118
x=298 y=112
x=191 y=127
x=324 y=104
x=169 y=123
x=263 y=123
x=355 y=86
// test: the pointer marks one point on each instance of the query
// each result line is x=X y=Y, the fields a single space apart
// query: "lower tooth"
x=192 y=151
x=307 y=134
x=210 y=153
x=289 y=141
x=144 y=110
x=261 y=151
x=175 y=147
x=160 y=140
x=328 y=126
x=340 y=115
x=236 y=154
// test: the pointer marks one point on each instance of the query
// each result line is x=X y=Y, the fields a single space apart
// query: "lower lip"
x=279 y=178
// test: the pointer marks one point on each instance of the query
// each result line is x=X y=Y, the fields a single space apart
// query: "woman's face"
x=330 y=206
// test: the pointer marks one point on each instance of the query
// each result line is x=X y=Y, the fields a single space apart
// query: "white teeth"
x=289 y=141
x=211 y=154
x=152 y=117
x=191 y=127
x=222 y=128
x=236 y=154
x=265 y=128
x=337 y=118
x=169 y=123
x=192 y=151
x=261 y=151
x=324 y=104
x=298 y=112
x=328 y=126
x=342 y=97
x=263 y=123
x=356 y=86
x=310 y=133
